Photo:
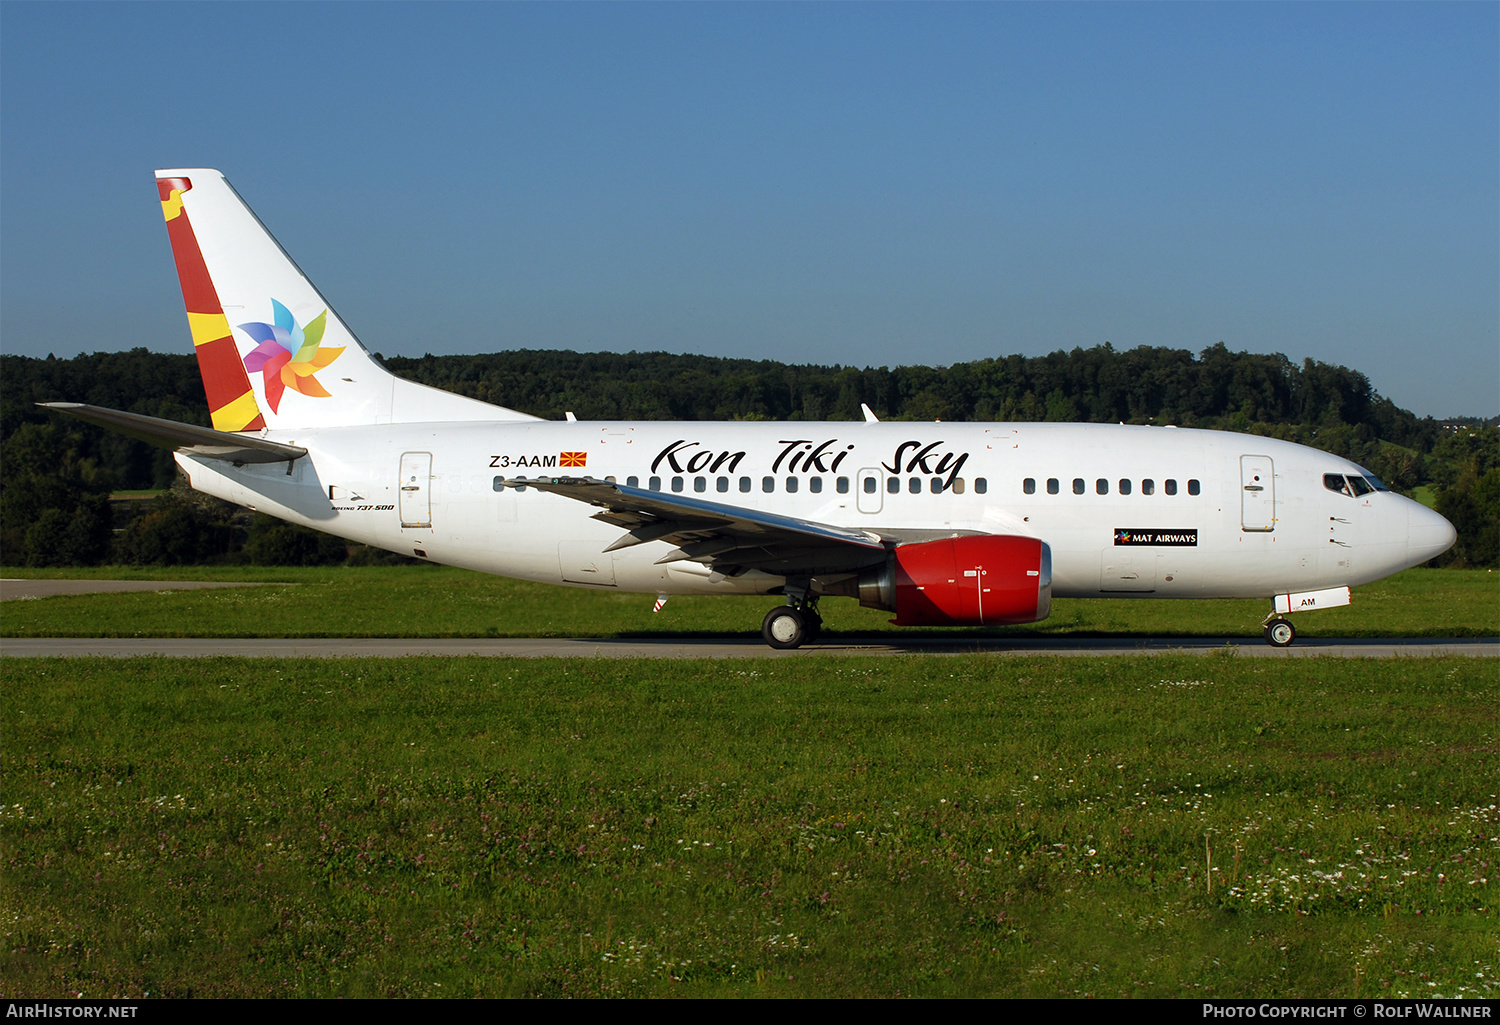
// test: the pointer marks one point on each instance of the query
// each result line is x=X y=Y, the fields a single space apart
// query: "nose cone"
x=1428 y=534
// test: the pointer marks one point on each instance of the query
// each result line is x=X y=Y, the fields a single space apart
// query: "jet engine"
x=976 y=580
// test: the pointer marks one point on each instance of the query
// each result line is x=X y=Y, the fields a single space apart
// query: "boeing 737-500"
x=940 y=523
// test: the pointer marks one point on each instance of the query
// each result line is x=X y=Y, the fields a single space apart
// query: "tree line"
x=56 y=475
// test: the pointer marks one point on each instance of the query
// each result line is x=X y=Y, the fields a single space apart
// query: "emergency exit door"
x=870 y=490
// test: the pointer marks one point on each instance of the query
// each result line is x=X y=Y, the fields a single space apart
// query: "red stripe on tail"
x=224 y=376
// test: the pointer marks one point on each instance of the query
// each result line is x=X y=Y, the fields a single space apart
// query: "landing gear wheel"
x=1280 y=633
x=784 y=627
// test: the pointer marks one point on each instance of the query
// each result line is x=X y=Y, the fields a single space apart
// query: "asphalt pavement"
x=669 y=647
x=613 y=647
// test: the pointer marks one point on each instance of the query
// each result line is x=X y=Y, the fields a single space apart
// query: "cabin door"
x=416 y=489
x=1257 y=494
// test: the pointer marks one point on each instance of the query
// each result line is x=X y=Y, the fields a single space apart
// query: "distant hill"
x=1319 y=404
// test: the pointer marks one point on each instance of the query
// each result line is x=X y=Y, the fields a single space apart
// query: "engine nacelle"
x=978 y=580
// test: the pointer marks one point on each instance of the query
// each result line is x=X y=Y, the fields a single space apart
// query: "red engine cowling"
x=982 y=580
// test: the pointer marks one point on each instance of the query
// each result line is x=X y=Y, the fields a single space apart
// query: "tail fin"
x=271 y=350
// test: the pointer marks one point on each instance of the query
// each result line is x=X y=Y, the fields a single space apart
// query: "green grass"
x=840 y=827
x=250 y=574
x=421 y=601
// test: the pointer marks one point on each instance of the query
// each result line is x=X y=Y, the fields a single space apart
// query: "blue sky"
x=857 y=184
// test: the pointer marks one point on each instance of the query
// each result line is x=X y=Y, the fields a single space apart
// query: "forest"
x=61 y=481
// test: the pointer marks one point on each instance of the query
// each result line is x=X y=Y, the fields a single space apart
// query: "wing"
x=728 y=538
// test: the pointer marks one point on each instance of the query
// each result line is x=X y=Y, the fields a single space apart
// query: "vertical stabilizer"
x=272 y=352
x=231 y=402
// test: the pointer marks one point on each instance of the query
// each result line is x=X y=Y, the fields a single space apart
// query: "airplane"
x=975 y=524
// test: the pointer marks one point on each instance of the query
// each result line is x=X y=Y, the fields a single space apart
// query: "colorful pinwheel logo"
x=288 y=354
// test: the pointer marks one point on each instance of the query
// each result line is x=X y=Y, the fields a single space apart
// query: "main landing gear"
x=793 y=624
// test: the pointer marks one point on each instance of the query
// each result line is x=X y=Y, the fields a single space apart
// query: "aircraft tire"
x=784 y=627
x=1280 y=633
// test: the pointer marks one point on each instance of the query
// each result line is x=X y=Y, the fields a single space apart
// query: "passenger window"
x=914 y=485
x=1170 y=486
x=935 y=485
x=869 y=485
x=1148 y=486
x=958 y=486
x=768 y=484
x=791 y=485
x=981 y=485
x=1124 y=485
x=744 y=485
x=611 y=480
x=520 y=487
x=1053 y=487
x=722 y=484
x=843 y=485
x=893 y=485
x=655 y=484
x=1077 y=485
x=1193 y=487
x=676 y=483
x=499 y=484
x=1029 y=485
x=815 y=485
x=632 y=482
x=700 y=485
x=1101 y=486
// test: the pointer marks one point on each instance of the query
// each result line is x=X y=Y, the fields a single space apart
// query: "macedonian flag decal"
x=573 y=459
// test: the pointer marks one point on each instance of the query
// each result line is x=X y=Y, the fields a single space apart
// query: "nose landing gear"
x=1280 y=632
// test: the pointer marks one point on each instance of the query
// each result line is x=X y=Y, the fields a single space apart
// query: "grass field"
x=1154 y=825
x=421 y=601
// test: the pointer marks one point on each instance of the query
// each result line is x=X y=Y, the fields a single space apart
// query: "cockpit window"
x=1353 y=485
x=1375 y=482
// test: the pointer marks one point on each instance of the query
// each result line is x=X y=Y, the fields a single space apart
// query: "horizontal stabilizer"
x=179 y=437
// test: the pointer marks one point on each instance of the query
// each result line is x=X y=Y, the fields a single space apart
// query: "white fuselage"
x=1162 y=512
